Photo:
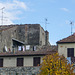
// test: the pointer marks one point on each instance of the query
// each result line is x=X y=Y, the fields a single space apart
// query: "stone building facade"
x=22 y=48
x=22 y=37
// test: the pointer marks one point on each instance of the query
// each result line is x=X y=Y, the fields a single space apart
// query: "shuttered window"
x=20 y=61
x=70 y=52
x=1 y=62
x=36 y=61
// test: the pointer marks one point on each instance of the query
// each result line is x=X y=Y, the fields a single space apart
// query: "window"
x=27 y=47
x=33 y=74
x=1 y=62
x=23 y=48
x=19 y=48
x=19 y=61
x=6 y=48
x=15 y=31
x=34 y=48
x=70 y=52
x=36 y=61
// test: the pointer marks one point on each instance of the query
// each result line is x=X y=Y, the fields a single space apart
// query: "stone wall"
x=42 y=37
x=46 y=37
x=33 y=34
x=21 y=33
x=29 y=34
x=20 y=71
x=6 y=38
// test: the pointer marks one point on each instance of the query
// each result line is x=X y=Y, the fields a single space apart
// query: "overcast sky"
x=59 y=13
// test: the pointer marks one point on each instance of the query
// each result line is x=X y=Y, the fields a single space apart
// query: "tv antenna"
x=46 y=23
x=2 y=15
x=71 y=23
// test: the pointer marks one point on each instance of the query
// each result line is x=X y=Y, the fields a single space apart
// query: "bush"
x=56 y=65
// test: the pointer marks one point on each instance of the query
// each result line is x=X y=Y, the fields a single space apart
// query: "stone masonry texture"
x=19 y=71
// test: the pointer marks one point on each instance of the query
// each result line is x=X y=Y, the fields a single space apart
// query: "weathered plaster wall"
x=12 y=61
x=28 y=61
x=62 y=48
x=9 y=62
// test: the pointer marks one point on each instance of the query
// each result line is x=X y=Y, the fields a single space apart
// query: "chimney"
x=46 y=37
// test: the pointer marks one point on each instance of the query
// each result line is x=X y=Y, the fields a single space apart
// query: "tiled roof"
x=28 y=53
x=49 y=48
x=70 y=39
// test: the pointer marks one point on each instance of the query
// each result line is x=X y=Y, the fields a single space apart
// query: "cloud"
x=7 y=22
x=12 y=10
x=15 y=5
x=65 y=9
x=20 y=4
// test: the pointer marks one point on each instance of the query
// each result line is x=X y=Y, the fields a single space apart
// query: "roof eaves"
x=22 y=55
x=64 y=42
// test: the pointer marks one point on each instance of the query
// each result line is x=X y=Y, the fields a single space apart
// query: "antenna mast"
x=71 y=23
x=46 y=23
x=2 y=16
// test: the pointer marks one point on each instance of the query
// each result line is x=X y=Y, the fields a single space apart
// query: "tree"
x=56 y=65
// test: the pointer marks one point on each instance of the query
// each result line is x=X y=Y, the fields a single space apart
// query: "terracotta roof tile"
x=69 y=39
x=49 y=48
x=30 y=53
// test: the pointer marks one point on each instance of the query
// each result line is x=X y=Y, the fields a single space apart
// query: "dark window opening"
x=36 y=61
x=19 y=61
x=1 y=62
x=33 y=74
x=34 y=48
x=70 y=52
x=15 y=31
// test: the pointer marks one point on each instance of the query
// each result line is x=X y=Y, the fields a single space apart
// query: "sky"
x=59 y=14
